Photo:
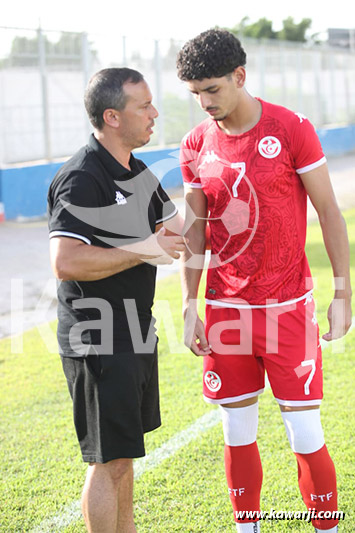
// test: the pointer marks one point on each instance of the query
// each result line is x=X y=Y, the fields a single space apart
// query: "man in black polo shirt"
x=106 y=211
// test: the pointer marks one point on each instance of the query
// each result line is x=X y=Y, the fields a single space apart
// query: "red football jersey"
x=257 y=204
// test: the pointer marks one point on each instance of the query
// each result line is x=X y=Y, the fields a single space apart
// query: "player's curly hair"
x=212 y=54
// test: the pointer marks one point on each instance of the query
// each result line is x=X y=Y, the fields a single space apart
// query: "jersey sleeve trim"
x=192 y=185
x=168 y=217
x=69 y=234
x=307 y=168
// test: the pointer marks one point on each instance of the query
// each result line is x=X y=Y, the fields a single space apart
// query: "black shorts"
x=115 y=401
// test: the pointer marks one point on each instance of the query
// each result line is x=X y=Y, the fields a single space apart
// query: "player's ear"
x=239 y=76
x=111 y=117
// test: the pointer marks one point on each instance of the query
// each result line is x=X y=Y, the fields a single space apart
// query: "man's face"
x=217 y=96
x=137 y=118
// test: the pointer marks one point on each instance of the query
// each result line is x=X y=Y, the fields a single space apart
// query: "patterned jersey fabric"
x=257 y=204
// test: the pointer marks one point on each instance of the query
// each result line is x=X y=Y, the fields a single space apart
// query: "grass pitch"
x=41 y=471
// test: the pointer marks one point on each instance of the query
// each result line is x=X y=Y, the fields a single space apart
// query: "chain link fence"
x=43 y=75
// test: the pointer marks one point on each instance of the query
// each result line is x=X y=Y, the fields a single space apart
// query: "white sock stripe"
x=240 y=424
x=304 y=430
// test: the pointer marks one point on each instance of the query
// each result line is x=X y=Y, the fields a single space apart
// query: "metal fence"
x=43 y=75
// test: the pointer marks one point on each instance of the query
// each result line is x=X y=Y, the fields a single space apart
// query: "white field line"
x=72 y=512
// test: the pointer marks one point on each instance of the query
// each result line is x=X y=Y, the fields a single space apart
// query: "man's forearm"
x=71 y=259
x=190 y=281
x=337 y=246
x=192 y=263
x=92 y=263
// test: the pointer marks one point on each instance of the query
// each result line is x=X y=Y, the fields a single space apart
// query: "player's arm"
x=73 y=259
x=320 y=191
x=173 y=226
x=192 y=261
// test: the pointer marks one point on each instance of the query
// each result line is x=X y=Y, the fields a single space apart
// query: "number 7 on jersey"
x=241 y=167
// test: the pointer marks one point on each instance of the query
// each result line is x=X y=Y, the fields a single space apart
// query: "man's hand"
x=160 y=249
x=194 y=334
x=339 y=318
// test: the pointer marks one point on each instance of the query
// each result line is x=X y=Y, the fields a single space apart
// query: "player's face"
x=137 y=117
x=217 y=96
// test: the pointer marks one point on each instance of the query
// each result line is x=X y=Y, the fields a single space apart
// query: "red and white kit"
x=258 y=216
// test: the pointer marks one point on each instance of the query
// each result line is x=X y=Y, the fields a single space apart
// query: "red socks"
x=244 y=477
x=316 y=478
x=317 y=482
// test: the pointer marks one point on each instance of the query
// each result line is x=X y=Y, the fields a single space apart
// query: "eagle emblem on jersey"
x=213 y=381
x=269 y=147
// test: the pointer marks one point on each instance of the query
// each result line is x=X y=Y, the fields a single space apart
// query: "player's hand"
x=339 y=318
x=160 y=249
x=194 y=334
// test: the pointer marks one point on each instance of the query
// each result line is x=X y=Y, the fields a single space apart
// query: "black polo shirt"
x=95 y=199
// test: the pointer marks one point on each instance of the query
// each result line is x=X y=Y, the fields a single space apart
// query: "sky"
x=181 y=19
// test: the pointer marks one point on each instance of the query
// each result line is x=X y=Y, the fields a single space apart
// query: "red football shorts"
x=282 y=340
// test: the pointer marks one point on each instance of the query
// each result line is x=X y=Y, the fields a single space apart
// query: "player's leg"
x=107 y=498
x=316 y=472
x=242 y=462
x=295 y=375
x=233 y=379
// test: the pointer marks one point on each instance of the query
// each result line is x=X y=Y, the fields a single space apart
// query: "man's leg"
x=242 y=461
x=316 y=472
x=107 y=499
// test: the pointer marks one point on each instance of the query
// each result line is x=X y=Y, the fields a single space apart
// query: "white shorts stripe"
x=221 y=401
x=296 y=403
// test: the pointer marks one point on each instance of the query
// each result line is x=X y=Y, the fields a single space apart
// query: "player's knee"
x=240 y=424
x=304 y=430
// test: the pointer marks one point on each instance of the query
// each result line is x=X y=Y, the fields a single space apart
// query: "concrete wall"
x=23 y=189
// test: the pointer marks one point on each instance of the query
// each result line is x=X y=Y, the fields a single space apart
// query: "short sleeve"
x=164 y=207
x=306 y=147
x=151 y=196
x=76 y=189
x=188 y=163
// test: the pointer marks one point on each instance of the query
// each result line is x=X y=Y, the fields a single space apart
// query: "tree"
x=294 y=32
x=262 y=29
x=24 y=51
x=68 y=49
